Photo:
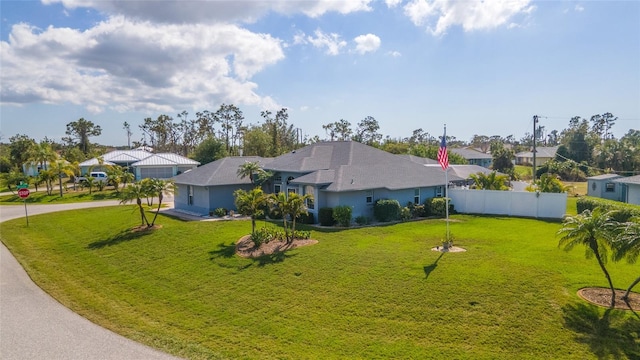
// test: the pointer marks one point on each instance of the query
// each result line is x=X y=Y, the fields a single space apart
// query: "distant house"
x=630 y=189
x=604 y=186
x=474 y=157
x=335 y=173
x=141 y=163
x=543 y=154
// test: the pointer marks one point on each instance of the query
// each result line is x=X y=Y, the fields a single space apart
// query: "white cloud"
x=367 y=43
x=392 y=3
x=579 y=8
x=394 y=54
x=439 y=15
x=331 y=42
x=183 y=12
x=132 y=65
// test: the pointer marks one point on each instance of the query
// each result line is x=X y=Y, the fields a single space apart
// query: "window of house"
x=277 y=178
x=439 y=191
x=289 y=179
x=369 y=197
x=292 y=190
x=277 y=188
x=310 y=202
x=190 y=192
x=611 y=187
x=416 y=196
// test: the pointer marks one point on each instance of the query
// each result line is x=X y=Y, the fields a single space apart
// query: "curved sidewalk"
x=33 y=325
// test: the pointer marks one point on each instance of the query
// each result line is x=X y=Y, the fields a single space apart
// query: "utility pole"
x=535 y=123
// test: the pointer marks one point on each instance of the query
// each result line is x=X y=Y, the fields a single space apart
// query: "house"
x=474 y=157
x=604 y=186
x=141 y=163
x=335 y=173
x=211 y=186
x=630 y=189
x=543 y=154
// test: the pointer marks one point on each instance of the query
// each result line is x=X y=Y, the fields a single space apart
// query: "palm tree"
x=47 y=176
x=114 y=176
x=250 y=204
x=90 y=181
x=492 y=181
x=279 y=203
x=159 y=188
x=297 y=207
x=550 y=184
x=249 y=169
x=42 y=154
x=61 y=168
x=131 y=193
x=127 y=177
x=596 y=230
x=629 y=248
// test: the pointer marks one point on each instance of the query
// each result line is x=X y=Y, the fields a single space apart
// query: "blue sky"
x=480 y=67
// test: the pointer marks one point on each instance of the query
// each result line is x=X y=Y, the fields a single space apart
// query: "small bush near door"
x=342 y=215
x=325 y=216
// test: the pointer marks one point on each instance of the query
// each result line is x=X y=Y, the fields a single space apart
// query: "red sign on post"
x=23 y=193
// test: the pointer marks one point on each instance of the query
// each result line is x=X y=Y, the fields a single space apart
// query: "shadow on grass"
x=614 y=335
x=429 y=268
x=223 y=250
x=271 y=259
x=124 y=235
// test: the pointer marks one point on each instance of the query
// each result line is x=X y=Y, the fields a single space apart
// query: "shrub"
x=301 y=234
x=623 y=212
x=362 y=220
x=437 y=206
x=386 y=210
x=418 y=211
x=342 y=215
x=306 y=218
x=220 y=212
x=325 y=216
x=405 y=214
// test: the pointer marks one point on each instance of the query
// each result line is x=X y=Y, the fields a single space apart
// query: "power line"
x=595 y=168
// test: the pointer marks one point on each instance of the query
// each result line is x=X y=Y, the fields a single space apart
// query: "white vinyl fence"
x=511 y=203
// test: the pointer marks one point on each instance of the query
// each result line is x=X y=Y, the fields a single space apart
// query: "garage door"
x=156 y=172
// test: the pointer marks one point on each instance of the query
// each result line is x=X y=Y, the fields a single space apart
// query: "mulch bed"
x=246 y=248
x=602 y=297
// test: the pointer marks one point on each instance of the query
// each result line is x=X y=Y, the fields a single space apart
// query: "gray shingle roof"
x=629 y=180
x=547 y=152
x=470 y=154
x=219 y=172
x=356 y=167
x=419 y=160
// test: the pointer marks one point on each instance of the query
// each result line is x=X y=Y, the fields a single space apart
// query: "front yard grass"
x=69 y=196
x=375 y=292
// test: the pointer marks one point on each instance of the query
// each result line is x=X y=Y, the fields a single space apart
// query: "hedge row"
x=623 y=211
x=385 y=210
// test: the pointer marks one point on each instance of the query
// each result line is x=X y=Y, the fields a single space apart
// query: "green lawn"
x=377 y=292
x=68 y=196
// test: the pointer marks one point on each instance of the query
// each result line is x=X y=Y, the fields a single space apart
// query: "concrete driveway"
x=33 y=325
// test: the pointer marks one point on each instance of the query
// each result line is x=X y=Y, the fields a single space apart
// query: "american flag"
x=443 y=157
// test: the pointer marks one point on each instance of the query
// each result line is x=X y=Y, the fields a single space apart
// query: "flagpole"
x=446 y=187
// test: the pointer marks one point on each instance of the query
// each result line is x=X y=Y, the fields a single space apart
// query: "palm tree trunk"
x=606 y=273
x=253 y=225
x=626 y=294
x=60 y=184
x=293 y=229
x=158 y=210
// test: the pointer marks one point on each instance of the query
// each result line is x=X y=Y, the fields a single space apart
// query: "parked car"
x=99 y=176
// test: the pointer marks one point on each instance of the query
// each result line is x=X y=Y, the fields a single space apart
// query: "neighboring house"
x=543 y=154
x=335 y=173
x=33 y=168
x=141 y=163
x=474 y=157
x=211 y=186
x=463 y=172
x=630 y=189
x=604 y=186
x=163 y=166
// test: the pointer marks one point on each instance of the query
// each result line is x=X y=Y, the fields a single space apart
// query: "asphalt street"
x=33 y=325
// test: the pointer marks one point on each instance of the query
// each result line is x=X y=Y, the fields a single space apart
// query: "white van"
x=99 y=176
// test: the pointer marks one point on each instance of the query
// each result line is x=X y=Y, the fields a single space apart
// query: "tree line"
x=586 y=146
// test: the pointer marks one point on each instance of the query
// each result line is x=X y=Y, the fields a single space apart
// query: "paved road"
x=33 y=325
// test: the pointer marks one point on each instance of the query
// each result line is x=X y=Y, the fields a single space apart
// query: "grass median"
x=374 y=292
